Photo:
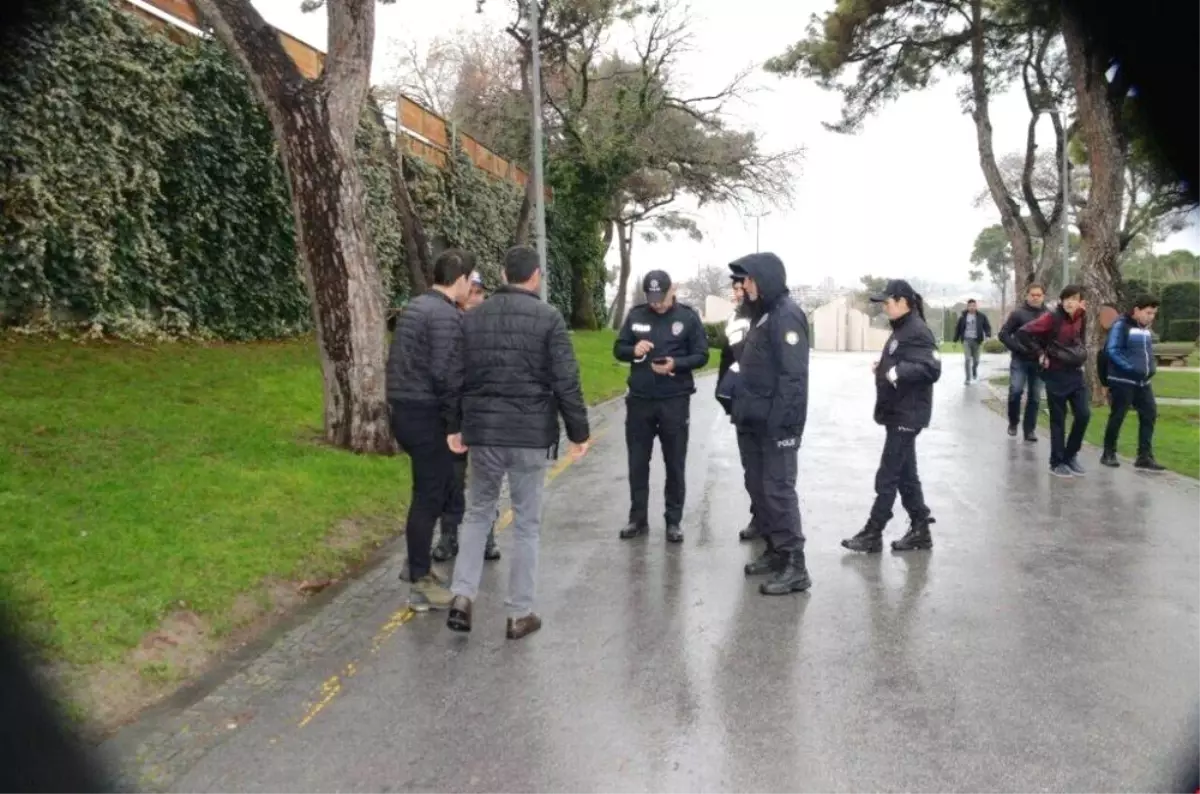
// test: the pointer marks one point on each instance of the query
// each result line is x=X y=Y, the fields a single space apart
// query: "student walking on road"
x=663 y=341
x=1056 y=339
x=770 y=407
x=447 y=545
x=424 y=376
x=1024 y=372
x=904 y=378
x=1126 y=368
x=521 y=375
x=729 y=372
x=972 y=329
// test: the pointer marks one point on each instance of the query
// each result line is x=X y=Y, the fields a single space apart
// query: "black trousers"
x=666 y=420
x=1141 y=398
x=771 y=466
x=745 y=449
x=898 y=473
x=420 y=432
x=1064 y=447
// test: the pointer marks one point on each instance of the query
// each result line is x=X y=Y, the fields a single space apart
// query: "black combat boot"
x=447 y=545
x=770 y=561
x=633 y=530
x=674 y=533
x=749 y=532
x=793 y=578
x=491 y=552
x=917 y=538
x=869 y=540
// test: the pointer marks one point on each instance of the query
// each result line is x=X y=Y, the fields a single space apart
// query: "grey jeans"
x=971 y=357
x=526 y=471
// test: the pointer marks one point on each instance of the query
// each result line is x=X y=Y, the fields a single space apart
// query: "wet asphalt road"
x=1048 y=642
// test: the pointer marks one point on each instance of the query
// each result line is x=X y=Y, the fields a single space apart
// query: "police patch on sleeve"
x=792 y=338
x=677 y=328
x=937 y=356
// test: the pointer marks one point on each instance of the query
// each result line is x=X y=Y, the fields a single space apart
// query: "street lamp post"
x=535 y=82
x=757 y=220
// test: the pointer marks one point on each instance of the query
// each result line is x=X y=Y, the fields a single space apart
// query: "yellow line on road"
x=332 y=686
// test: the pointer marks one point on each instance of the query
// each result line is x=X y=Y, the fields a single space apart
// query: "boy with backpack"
x=1126 y=366
x=1057 y=340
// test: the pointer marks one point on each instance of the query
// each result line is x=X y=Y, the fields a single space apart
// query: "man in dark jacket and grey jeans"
x=521 y=375
x=1024 y=371
x=424 y=377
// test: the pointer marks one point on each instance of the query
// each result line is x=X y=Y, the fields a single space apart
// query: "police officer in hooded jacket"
x=729 y=373
x=904 y=378
x=664 y=341
x=770 y=406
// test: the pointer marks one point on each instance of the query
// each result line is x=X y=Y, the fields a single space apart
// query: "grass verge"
x=1176 y=433
x=156 y=496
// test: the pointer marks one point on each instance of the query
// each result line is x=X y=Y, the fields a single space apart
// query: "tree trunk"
x=625 y=249
x=1010 y=212
x=524 y=215
x=416 y=246
x=315 y=124
x=1100 y=218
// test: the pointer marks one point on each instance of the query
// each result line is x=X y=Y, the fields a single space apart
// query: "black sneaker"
x=1109 y=459
x=459 y=618
x=1012 y=430
x=1076 y=467
x=491 y=552
x=1149 y=464
x=633 y=530
x=1030 y=438
x=446 y=547
x=1062 y=470
x=674 y=534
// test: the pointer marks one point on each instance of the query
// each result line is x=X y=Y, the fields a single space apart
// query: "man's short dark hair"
x=520 y=263
x=451 y=265
x=1145 y=300
x=972 y=300
x=1071 y=291
x=1032 y=286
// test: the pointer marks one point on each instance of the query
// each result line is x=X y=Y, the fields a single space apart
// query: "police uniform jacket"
x=677 y=333
x=772 y=397
x=904 y=378
x=728 y=371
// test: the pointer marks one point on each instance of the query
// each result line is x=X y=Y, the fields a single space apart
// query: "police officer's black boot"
x=749 y=532
x=869 y=540
x=917 y=538
x=770 y=561
x=491 y=552
x=674 y=533
x=793 y=578
x=633 y=530
x=447 y=545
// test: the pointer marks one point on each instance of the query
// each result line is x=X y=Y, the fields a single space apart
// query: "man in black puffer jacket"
x=770 y=408
x=424 y=378
x=521 y=376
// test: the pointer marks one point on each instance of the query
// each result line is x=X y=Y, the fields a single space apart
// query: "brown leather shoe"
x=520 y=627
x=459 y=618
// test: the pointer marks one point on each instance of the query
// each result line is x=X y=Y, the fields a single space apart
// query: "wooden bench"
x=1173 y=354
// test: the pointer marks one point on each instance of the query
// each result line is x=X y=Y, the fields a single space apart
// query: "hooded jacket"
x=772 y=397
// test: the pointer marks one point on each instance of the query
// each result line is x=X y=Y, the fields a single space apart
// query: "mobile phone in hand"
x=660 y=361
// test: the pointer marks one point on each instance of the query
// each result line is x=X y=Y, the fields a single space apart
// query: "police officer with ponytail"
x=904 y=378
x=744 y=315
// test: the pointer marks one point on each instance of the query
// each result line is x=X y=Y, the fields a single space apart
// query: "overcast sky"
x=897 y=199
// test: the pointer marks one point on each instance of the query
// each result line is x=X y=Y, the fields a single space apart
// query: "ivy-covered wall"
x=141 y=192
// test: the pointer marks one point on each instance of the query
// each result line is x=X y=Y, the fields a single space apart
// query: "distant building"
x=838 y=326
x=716 y=309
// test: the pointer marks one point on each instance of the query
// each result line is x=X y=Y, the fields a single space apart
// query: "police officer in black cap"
x=904 y=378
x=729 y=373
x=664 y=341
x=770 y=406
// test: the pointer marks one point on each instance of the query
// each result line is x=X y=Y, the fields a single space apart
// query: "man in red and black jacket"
x=1057 y=340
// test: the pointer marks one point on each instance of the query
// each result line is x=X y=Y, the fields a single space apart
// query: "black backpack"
x=1102 y=356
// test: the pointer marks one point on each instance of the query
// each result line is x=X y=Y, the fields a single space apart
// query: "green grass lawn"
x=1176 y=433
x=139 y=480
x=1181 y=385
